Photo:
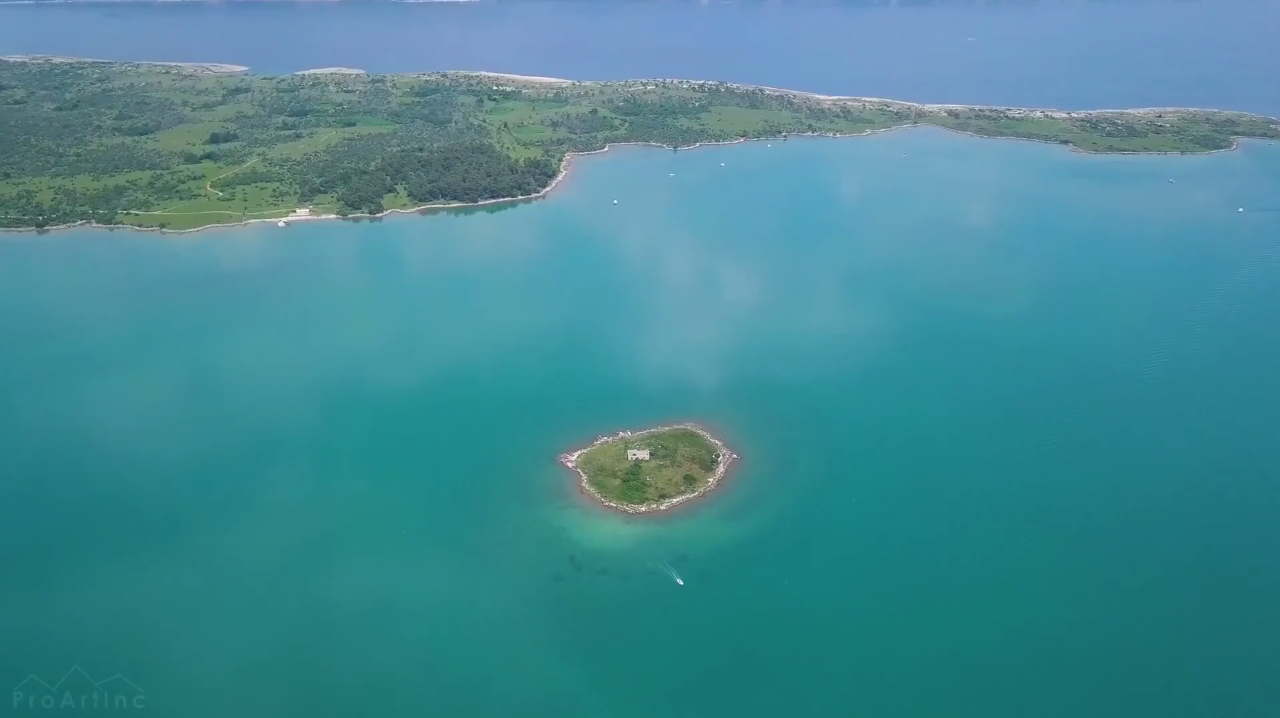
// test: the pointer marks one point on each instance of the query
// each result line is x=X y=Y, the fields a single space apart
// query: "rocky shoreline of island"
x=726 y=459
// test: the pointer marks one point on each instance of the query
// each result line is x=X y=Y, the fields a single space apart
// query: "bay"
x=1007 y=416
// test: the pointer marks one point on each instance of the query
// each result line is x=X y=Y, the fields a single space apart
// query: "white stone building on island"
x=637 y=454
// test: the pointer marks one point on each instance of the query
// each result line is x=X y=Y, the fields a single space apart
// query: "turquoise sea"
x=1008 y=417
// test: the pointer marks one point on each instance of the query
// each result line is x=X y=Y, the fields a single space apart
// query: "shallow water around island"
x=1007 y=414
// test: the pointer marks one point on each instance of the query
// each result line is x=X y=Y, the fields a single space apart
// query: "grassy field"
x=179 y=148
x=681 y=462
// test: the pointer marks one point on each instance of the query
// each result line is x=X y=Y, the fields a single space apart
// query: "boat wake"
x=667 y=569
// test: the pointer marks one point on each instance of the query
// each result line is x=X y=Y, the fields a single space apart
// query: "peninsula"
x=652 y=470
x=186 y=146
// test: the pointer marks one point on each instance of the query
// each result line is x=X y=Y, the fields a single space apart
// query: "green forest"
x=182 y=147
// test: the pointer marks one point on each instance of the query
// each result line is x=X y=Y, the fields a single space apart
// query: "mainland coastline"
x=1092 y=132
x=565 y=166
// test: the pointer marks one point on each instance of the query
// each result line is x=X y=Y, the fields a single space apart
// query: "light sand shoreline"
x=210 y=67
x=332 y=71
x=509 y=76
x=539 y=79
x=727 y=457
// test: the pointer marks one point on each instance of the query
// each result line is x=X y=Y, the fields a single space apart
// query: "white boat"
x=282 y=223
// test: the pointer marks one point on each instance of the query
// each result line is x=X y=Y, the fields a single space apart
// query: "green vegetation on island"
x=183 y=147
x=651 y=468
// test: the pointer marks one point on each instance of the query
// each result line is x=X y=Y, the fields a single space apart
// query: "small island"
x=652 y=470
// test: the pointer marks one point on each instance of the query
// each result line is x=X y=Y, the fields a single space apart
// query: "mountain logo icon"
x=78 y=691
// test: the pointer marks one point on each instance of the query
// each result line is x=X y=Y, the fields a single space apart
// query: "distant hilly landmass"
x=847 y=3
